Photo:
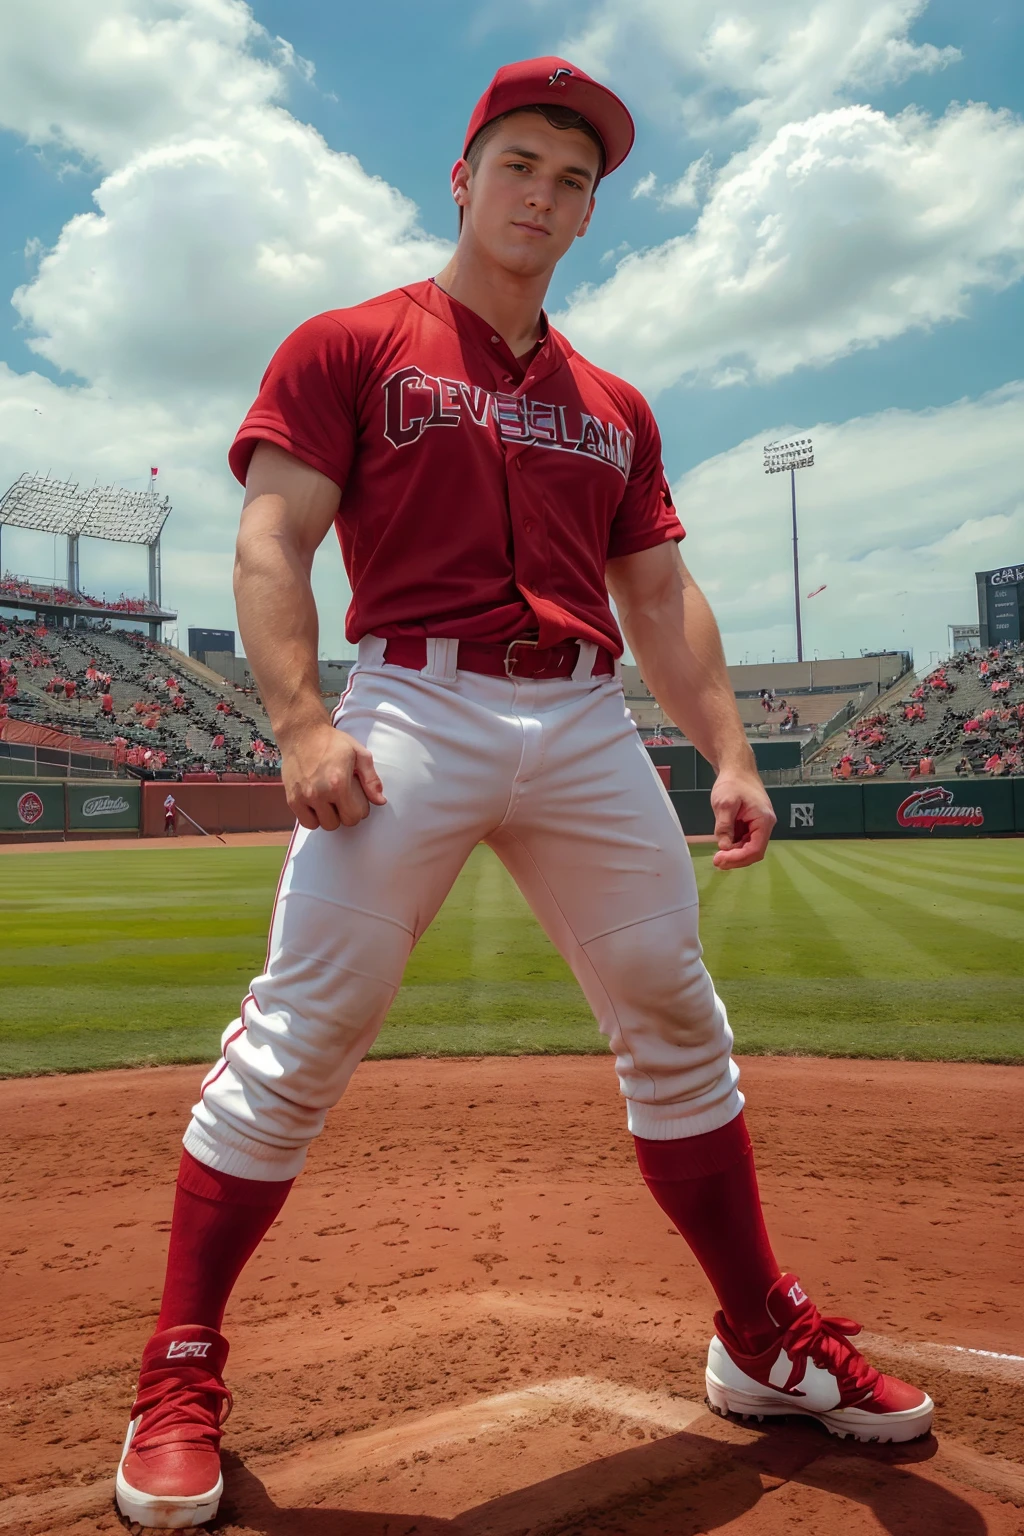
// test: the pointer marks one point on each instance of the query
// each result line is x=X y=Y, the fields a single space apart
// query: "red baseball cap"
x=536 y=82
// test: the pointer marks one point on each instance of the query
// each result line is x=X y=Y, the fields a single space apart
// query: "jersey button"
x=529 y=525
x=496 y=340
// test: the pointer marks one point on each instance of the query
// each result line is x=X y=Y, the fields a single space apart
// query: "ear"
x=461 y=173
x=586 y=222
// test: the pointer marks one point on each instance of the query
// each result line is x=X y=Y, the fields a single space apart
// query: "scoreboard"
x=1001 y=605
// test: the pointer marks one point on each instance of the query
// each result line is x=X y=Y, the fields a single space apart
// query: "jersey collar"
x=554 y=348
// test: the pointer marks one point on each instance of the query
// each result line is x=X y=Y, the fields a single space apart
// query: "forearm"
x=675 y=640
x=277 y=620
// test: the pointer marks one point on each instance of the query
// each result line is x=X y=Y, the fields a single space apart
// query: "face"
x=532 y=194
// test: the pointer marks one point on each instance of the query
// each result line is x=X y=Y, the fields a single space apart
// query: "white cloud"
x=112 y=77
x=751 y=67
x=840 y=232
x=221 y=222
x=691 y=188
x=205 y=253
x=898 y=512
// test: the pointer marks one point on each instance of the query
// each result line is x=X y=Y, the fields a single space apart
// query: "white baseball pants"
x=554 y=778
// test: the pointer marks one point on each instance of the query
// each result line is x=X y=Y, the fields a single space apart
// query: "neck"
x=510 y=302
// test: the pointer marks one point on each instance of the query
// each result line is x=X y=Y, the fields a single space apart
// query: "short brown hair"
x=558 y=117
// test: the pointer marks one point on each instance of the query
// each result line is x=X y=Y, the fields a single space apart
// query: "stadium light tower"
x=796 y=453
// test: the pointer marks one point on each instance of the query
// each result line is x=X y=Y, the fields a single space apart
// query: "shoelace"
x=180 y=1404
x=827 y=1341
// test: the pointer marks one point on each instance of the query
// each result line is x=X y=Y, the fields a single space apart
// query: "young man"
x=489 y=488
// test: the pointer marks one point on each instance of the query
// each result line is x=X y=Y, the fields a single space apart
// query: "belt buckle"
x=510 y=660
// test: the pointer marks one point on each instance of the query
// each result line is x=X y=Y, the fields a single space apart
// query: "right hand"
x=329 y=779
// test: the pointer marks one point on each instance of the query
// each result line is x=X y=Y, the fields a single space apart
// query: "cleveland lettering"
x=415 y=401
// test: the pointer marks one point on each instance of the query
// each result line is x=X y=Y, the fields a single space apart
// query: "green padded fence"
x=940 y=808
x=917 y=808
x=46 y=805
x=818 y=810
x=103 y=807
x=31 y=805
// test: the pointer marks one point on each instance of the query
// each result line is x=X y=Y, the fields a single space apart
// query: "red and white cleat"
x=812 y=1369
x=169 y=1476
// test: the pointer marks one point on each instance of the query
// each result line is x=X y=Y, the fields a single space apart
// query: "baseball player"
x=490 y=487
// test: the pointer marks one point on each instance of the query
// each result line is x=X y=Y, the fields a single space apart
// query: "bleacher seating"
x=802 y=695
x=177 y=725
x=966 y=716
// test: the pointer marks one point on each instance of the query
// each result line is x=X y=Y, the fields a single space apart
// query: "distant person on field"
x=170 y=816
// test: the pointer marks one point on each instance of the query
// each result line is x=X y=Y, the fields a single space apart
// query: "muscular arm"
x=329 y=778
x=672 y=633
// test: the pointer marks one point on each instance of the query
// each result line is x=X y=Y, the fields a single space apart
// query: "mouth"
x=531 y=229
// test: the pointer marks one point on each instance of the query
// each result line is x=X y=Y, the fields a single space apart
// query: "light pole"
x=796 y=453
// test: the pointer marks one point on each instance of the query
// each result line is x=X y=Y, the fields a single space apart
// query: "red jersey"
x=481 y=496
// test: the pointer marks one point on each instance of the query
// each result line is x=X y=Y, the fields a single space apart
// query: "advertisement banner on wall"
x=103 y=807
x=818 y=810
x=31 y=805
x=957 y=808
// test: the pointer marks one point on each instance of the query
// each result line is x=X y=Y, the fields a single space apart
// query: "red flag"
x=154 y=473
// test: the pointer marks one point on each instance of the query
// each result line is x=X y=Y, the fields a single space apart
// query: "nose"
x=541 y=195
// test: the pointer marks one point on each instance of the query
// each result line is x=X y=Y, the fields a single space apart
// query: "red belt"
x=521 y=658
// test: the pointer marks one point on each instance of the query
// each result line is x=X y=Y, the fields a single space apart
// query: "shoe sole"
x=889 y=1428
x=163 y=1512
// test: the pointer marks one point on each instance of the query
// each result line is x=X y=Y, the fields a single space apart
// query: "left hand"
x=743 y=818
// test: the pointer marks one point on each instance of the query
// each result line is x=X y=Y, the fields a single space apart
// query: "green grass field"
x=831 y=948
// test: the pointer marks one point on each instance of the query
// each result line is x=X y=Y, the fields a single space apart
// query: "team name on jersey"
x=415 y=401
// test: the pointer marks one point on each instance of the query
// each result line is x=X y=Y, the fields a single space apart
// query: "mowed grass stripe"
x=947 y=915
x=813 y=936
x=866 y=930
x=921 y=872
x=111 y=958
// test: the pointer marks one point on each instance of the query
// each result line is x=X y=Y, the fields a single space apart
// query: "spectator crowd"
x=121 y=688
x=15 y=587
x=966 y=716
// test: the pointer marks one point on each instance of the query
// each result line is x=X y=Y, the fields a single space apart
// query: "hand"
x=329 y=778
x=743 y=818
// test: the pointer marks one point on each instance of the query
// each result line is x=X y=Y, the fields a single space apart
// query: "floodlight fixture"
x=90 y=512
x=793 y=454
x=796 y=453
x=108 y=512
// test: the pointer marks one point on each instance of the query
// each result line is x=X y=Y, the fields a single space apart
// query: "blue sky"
x=393 y=86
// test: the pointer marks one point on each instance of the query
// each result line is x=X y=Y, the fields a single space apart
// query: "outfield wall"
x=46 y=809
x=217 y=807
x=689 y=770
x=52 y=810
x=79 y=809
x=916 y=809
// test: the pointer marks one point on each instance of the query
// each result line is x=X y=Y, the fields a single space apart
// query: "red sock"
x=217 y=1224
x=707 y=1186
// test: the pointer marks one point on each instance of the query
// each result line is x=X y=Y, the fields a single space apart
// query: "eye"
x=570 y=182
x=517 y=165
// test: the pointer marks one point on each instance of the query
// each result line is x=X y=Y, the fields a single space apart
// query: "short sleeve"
x=646 y=515
x=306 y=402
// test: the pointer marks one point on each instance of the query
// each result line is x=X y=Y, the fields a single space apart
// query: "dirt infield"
x=473 y=1320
